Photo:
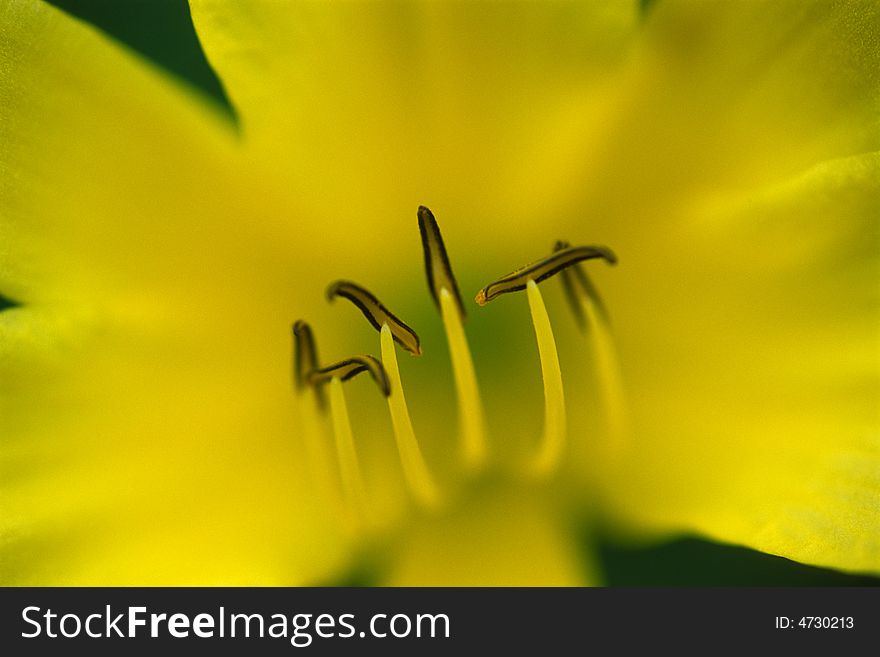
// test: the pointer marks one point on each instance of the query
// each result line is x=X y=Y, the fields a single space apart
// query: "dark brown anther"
x=376 y=313
x=580 y=289
x=350 y=367
x=543 y=269
x=305 y=358
x=436 y=261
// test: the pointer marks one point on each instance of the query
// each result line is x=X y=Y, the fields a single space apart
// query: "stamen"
x=377 y=314
x=392 y=330
x=470 y=407
x=553 y=439
x=593 y=319
x=352 y=482
x=444 y=290
x=310 y=400
x=436 y=261
x=350 y=367
x=416 y=473
x=350 y=472
x=577 y=284
x=542 y=269
x=305 y=359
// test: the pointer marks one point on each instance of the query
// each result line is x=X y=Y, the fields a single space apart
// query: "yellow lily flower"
x=726 y=152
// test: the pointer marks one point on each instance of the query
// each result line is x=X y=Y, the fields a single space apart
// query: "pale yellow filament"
x=470 y=407
x=415 y=472
x=553 y=439
x=608 y=378
x=319 y=458
x=349 y=470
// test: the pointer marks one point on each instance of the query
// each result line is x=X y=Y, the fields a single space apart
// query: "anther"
x=376 y=313
x=444 y=290
x=309 y=401
x=305 y=359
x=350 y=367
x=305 y=354
x=437 y=265
x=392 y=330
x=349 y=470
x=542 y=269
x=552 y=442
x=578 y=287
x=592 y=317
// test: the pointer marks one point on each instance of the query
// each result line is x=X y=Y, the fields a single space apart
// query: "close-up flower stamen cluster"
x=721 y=384
x=472 y=441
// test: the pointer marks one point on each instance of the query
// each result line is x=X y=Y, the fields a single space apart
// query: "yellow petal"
x=371 y=109
x=752 y=381
x=145 y=399
x=501 y=537
x=753 y=366
x=747 y=425
x=731 y=95
x=746 y=304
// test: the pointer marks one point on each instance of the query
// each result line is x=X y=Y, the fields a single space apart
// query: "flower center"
x=424 y=489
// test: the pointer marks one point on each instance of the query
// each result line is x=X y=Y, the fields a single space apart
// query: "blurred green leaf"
x=696 y=562
x=161 y=30
x=5 y=303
